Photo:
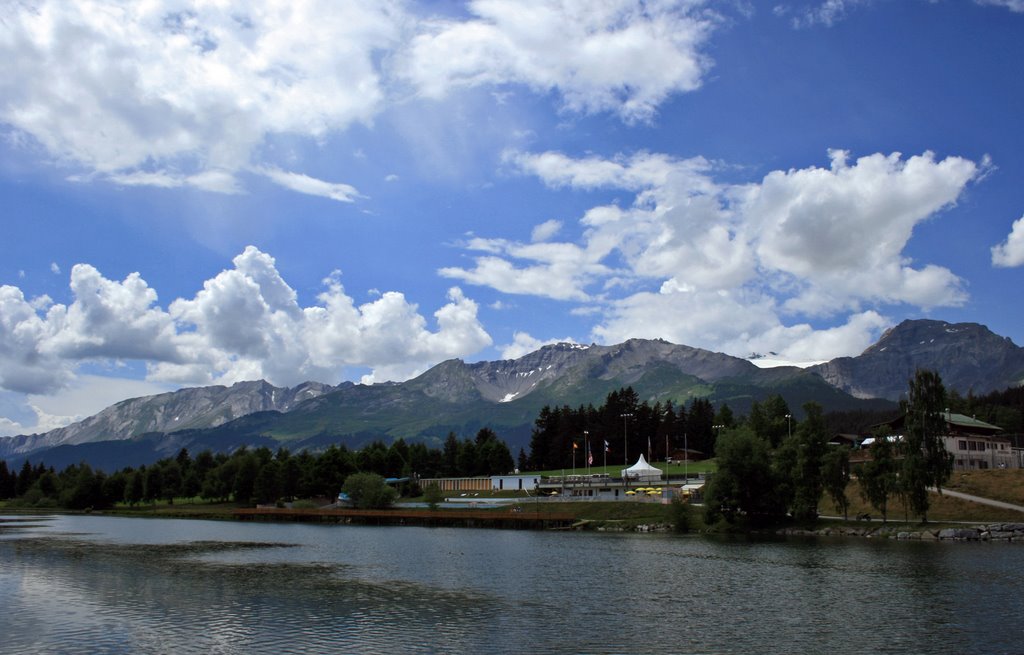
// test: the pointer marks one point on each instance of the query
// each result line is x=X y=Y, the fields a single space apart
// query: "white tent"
x=642 y=472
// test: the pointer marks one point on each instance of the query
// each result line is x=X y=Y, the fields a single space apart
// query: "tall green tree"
x=267 y=485
x=134 y=490
x=700 y=431
x=769 y=419
x=745 y=482
x=925 y=463
x=245 y=476
x=153 y=483
x=329 y=471
x=114 y=486
x=84 y=489
x=291 y=473
x=25 y=479
x=493 y=456
x=218 y=482
x=835 y=475
x=172 y=479
x=8 y=481
x=450 y=455
x=725 y=417
x=810 y=443
x=878 y=477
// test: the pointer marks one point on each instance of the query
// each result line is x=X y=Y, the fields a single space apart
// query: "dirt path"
x=984 y=501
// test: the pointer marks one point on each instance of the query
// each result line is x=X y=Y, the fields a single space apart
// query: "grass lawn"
x=182 y=508
x=1006 y=485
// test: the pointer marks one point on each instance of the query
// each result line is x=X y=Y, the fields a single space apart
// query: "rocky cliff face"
x=569 y=364
x=968 y=356
x=199 y=407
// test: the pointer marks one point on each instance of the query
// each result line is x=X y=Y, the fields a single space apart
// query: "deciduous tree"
x=368 y=491
x=925 y=462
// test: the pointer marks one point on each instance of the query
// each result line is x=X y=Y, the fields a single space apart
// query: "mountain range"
x=507 y=395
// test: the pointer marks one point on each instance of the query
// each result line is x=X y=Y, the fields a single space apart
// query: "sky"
x=204 y=192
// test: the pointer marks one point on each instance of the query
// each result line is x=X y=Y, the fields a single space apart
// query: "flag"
x=607 y=446
x=590 y=459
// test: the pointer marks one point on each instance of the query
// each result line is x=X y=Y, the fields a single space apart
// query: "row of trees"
x=906 y=468
x=628 y=427
x=764 y=474
x=764 y=483
x=252 y=475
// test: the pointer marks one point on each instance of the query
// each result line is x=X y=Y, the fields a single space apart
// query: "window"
x=962 y=444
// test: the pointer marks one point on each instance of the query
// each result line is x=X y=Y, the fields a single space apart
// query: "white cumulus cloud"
x=734 y=264
x=27 y=364
x=245 y=323
x=1011 y=252
x=184 y=94
x=614 y=55
x=177 y=94
x=841 y=231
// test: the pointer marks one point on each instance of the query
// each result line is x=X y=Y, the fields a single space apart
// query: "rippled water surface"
x=93 y=584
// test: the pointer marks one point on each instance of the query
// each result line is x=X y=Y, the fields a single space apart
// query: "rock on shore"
x=993 y=532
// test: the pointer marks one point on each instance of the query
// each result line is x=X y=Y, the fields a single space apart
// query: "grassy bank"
x=1006 y=485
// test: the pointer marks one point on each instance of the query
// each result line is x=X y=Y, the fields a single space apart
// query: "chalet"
x=974 y=444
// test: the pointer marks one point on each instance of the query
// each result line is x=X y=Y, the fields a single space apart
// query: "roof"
x=970 y=422
x=964 y=423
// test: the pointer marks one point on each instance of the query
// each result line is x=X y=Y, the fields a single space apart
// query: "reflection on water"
x=119 y=585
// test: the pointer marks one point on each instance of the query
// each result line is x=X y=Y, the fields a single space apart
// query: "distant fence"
x=458 y=484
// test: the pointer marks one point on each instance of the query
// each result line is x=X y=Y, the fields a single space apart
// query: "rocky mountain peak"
x=197 y=407
x=922 y=335
x=968 y=356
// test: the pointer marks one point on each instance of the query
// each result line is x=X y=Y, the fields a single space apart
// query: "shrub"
x=369 y=491
x=679 y=513
x=432 y=495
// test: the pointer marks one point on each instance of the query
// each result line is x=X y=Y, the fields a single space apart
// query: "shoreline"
x=967 y=531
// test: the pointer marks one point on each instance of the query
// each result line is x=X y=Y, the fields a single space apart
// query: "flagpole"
x=586 y=440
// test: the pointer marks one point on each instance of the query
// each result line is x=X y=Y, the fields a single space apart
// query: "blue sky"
x=199 y=193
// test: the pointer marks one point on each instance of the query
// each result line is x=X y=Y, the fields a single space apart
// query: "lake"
x=96 y=584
